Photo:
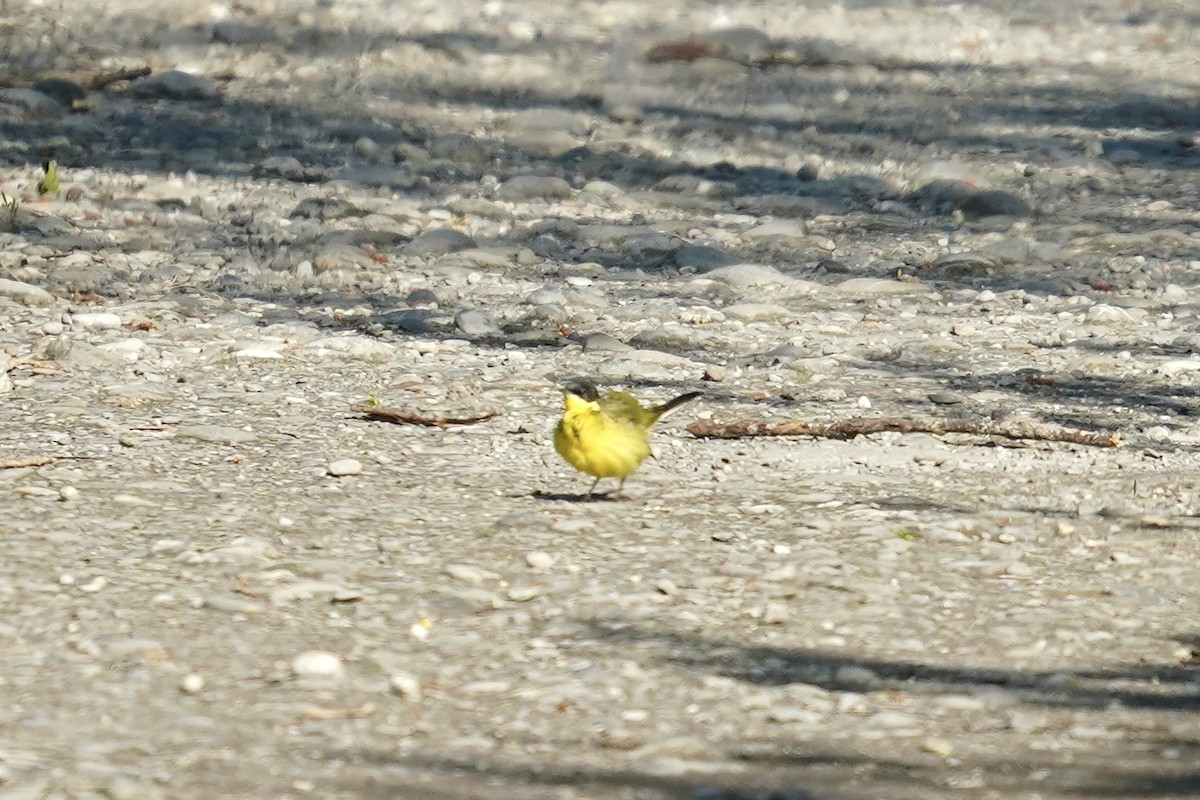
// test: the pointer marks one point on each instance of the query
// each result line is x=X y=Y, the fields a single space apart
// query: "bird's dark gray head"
x=582 y=387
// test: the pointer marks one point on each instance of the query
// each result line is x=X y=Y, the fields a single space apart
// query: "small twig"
x=319 y=712
x=41 y=461
x=106 y=79
x=1008 y=427
x=400 y=416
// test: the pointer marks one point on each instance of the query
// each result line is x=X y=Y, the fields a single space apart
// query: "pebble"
x=257 y=353
x=758 y=312
x=937 y=746
x=994 y=202
x=776 y=614
x=537 y=559
x=702 y=258
x=168 y=547
x=890 y=720
x=876 y=287
x=855 y=676
x=474 y=322
x=542 y=144
x=749 y=276
x=342 y=467
x=534 y=187
x=468 y=573
x=355 y=348
x=233 y=605
x=546 y=296
x=99 y=320
x=215 y=434
x=438 y=242
x=548 y=119
x=1106 y=314
x=192 y=683
x=317 y=664
x=405 y=686
x=124 y=787
x=325 y=209
x=242 y=33
x=1178 y=366
x=245 y=549
x=943 y=398
x=339 y=256
x=486 y=687
x=175 y=84
x=604 y=343
x=790 y=231
x=794 y=715
x=33 y=101
x=25 y=293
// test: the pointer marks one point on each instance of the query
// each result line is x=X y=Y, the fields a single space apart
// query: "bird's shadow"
x=563 y=497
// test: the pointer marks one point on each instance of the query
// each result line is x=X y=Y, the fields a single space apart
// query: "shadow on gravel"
x=1070 y=399
x=1135 y=686
x=787 y=772
x=1092 y=771
x=740 y=778
x=246 y=134
x=1149 y=783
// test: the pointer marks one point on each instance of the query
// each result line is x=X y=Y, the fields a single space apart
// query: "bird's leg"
x=592 y=490
x=620 y=489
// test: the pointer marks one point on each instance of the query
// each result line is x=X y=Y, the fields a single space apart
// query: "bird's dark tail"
x=672 y=404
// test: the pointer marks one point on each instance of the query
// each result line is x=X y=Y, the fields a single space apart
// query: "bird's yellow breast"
x=595 y=443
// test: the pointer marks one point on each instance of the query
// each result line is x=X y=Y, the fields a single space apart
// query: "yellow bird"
x=49 y=182
x=607 y=436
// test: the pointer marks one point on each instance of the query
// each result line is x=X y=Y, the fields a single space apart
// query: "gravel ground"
x=218 y=581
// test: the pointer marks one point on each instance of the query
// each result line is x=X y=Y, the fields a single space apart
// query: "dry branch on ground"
x=1007 y=427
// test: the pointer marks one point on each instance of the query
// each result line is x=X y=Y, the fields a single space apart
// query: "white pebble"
x=94 y=585
x=97 y=320
x=68 y=493
x=539 y=560
x=317 y=664
x=776 y=614
x=937 y=746
x=405 y=686
x=167 y=547
x=344 y=466
x=192 y=683
x=890 y=719
x=250 y=353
